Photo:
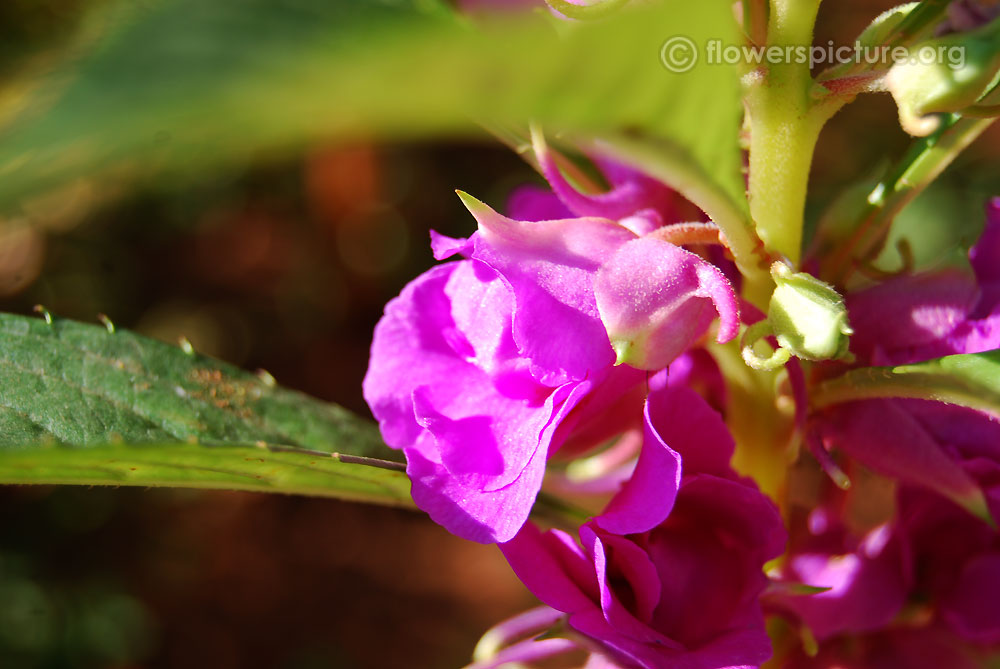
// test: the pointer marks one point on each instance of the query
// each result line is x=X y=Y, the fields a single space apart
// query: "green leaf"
x=84 y=404
x=178 y=465
x=791 y=588
x=182 y=85
x=970 y=380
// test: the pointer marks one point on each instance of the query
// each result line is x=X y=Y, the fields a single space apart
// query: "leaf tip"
x=266 y=378
x=103 y=318
x=185 y=345
x=46 y=314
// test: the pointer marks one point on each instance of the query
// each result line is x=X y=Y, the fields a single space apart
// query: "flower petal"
x=656 y=300
x=544 y=562
x=971 y=608
x=680 y=417
x=414 y=344
x=646 y=499
x=550 y=266
x=866 y=588
x=884 y=436
x=909 y=319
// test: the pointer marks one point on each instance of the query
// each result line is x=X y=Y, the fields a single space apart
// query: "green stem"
x=784 y=127
x=923 y=381
x=922 y=164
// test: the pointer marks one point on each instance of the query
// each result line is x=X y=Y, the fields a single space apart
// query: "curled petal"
x=615 y=556
x=632 y=191
x=648 y=496
x=657 y=299
x=513 y=639
x=680 y=417
x=551 y=566
x=467 y=508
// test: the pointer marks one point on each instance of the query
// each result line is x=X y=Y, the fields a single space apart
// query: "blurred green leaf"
x=80 y=404
x=181 y=85
x=177 y=465
x=971 y=380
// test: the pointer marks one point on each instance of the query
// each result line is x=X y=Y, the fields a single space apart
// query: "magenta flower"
x=482 y=368
x=955 y=564
x=951 y=450
x=929 y=315
x=893 y=648
x=932 y=555
x=932 y=552
x=666 y=582
x=865 y=578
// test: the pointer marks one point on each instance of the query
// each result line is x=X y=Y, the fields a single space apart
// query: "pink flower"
x=658 y=584
x=866 y=579
x=955 y=565
x=951 y=450
x=932 y=557
x=484 y=367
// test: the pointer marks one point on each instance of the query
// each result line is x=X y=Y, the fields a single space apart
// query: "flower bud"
x=946 y=74
x=808 y=316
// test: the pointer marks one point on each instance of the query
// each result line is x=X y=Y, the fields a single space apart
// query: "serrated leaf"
x=971 y=380
x=188 y=84
x=80 y=404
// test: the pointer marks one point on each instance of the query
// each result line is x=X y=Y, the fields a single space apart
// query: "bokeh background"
x=284 y=263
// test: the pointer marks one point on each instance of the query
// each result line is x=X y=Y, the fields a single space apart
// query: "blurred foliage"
x=82 y=625
x=31 y=26
x=175 y=85
x=54 y=614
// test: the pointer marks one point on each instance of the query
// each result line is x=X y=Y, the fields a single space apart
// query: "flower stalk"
x=784 y=126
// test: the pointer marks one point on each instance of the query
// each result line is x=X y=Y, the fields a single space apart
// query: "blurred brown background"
x=284 y=266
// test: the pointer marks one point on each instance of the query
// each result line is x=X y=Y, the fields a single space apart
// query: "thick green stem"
x=784 y=126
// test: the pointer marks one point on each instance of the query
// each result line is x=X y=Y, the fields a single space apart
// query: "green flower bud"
x=807 y=316
x=946 y=74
